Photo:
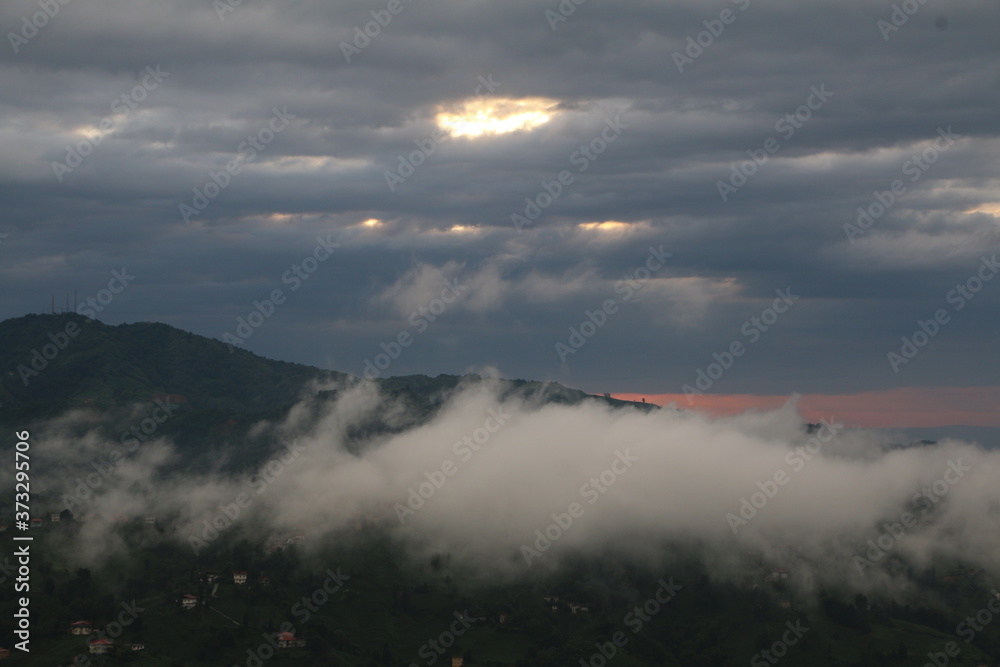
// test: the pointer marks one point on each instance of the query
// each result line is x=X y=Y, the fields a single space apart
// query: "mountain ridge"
x=54 y=362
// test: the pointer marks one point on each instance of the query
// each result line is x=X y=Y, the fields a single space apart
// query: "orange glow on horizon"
x=909 y=407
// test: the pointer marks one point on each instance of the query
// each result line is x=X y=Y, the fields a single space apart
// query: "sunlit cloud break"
x=479 y=116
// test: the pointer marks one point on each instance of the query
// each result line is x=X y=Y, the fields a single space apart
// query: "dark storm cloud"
x=886 y=94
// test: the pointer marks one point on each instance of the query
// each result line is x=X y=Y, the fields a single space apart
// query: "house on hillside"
x=81 y=628
x=54 y=517
x=101 y=646
x=288 y=640
x=457 y=661
x=189 y=601
x=36 y=523
x=239 y=577
x=4 y=654
x=777 y=574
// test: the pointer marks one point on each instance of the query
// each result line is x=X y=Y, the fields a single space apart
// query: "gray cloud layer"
x=324 y=174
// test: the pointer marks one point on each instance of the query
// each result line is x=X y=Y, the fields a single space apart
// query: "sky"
x=706 y=203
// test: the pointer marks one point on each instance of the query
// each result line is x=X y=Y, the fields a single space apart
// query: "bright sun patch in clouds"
x=606 y=226
x=88 y=131
x=480 y=116
x=990 y=208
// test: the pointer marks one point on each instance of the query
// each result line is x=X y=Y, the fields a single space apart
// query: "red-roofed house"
x=288 y=640
x=81 y=628
x=189 y=601
x=101 y=646
x=239 y=577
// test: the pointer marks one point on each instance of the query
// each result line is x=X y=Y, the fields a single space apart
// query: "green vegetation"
x=218 y=395
x=358 y=599
x=392 y=606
